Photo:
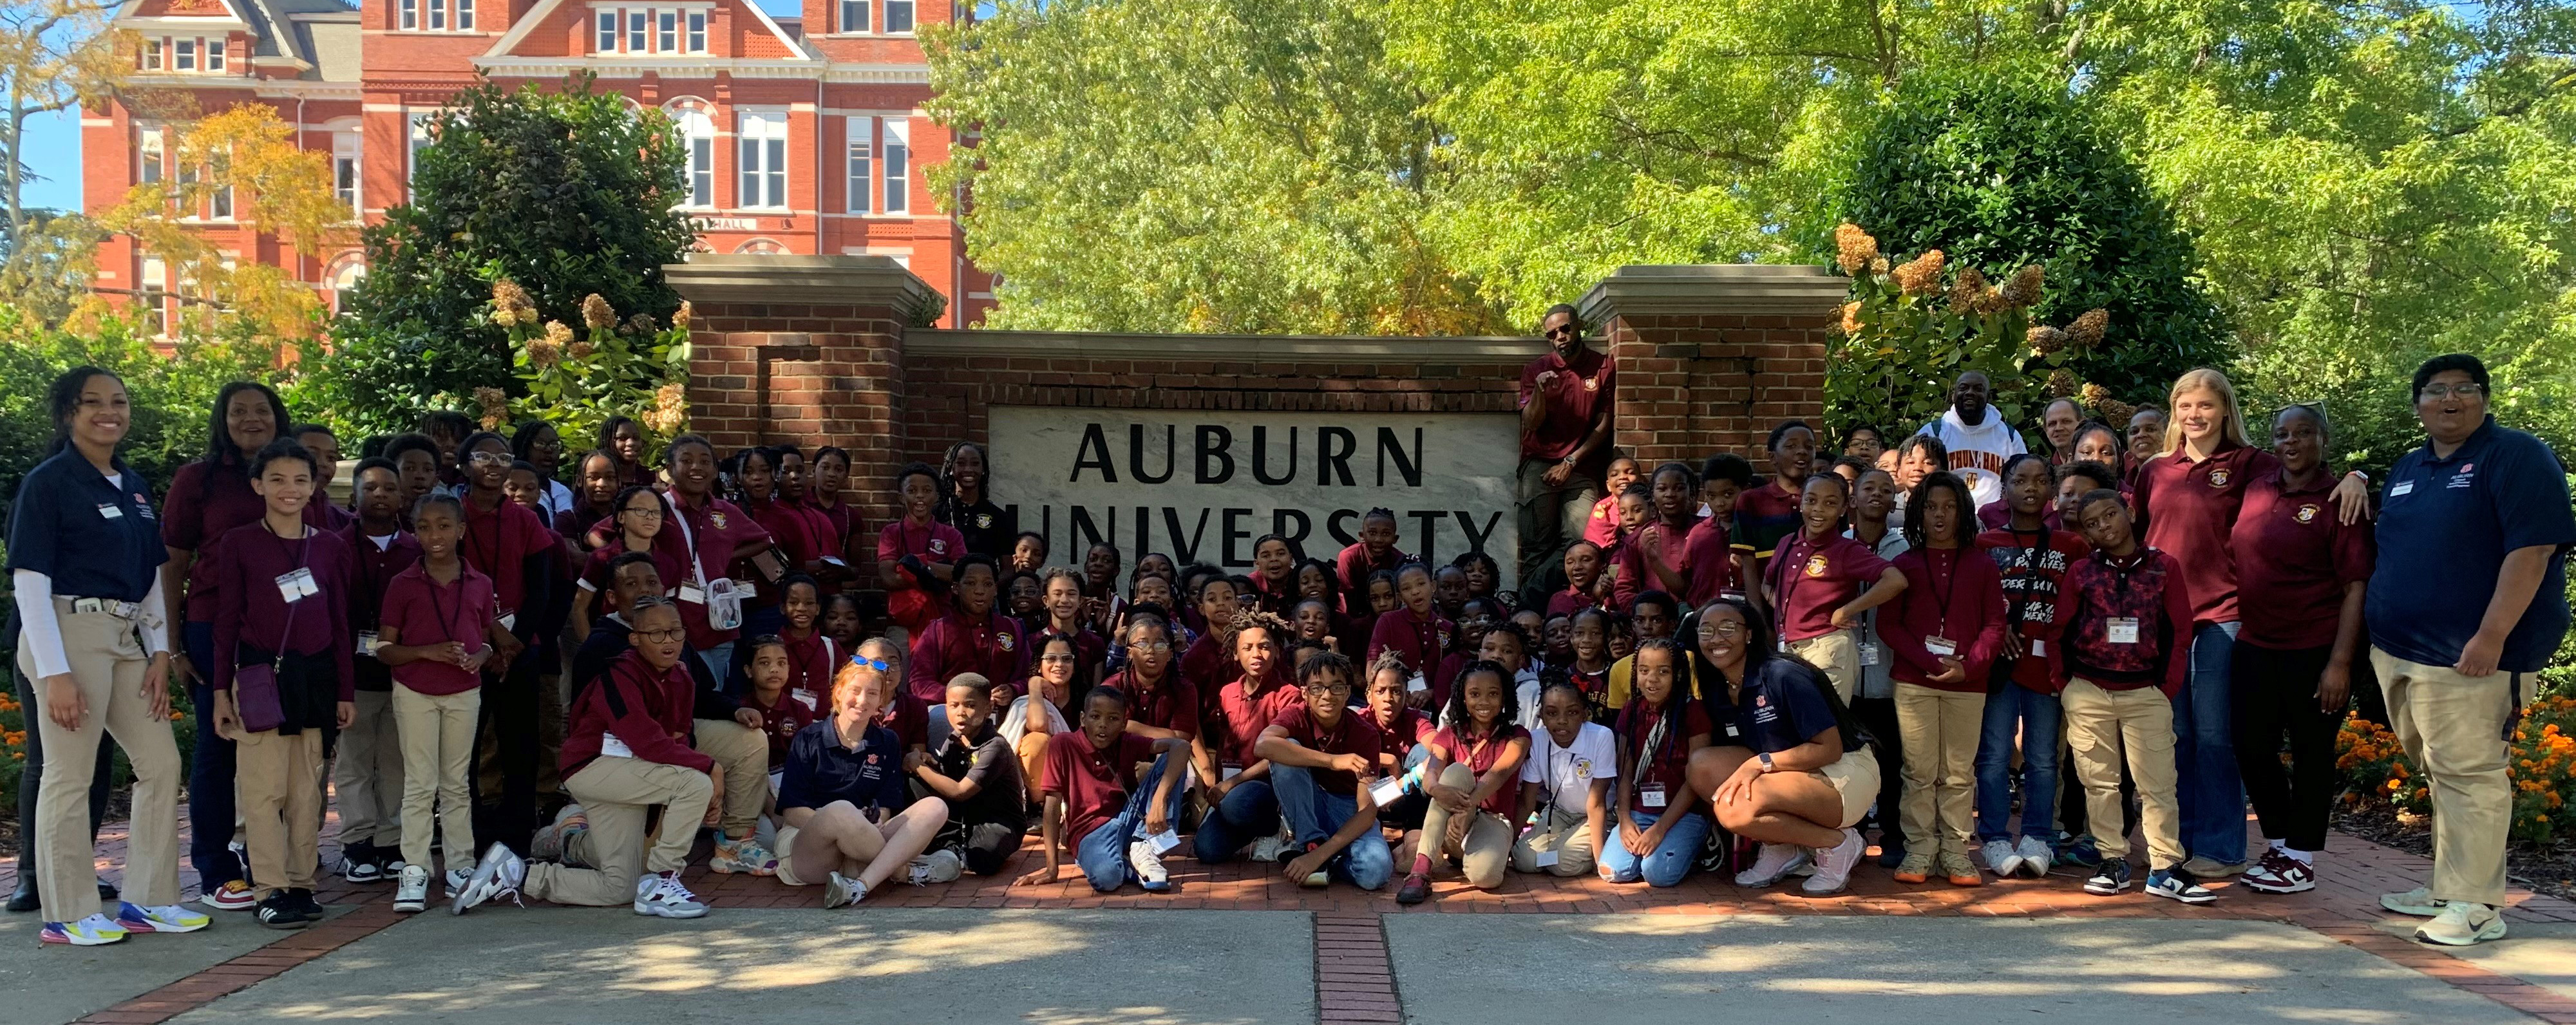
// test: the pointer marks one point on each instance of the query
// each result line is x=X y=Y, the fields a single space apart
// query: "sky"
x=53 y=143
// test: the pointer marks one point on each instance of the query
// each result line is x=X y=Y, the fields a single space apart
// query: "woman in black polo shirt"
x=85 y=555
x=1788 y=765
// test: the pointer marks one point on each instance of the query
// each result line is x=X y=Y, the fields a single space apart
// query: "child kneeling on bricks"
x=1790 y=767
x=626 y=748
x=1117 y=820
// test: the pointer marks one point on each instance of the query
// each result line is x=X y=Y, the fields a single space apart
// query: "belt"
x=119 y=609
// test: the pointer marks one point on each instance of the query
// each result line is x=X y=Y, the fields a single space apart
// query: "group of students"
x=549 y=691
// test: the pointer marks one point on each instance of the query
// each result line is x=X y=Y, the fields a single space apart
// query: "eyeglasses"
x=2466 y=390
x=1328 y=688
x=654 y=512
x=876 y=664
x=489 y=458
x=660 y=636
x=1056 y=659
x=1152 y=646
x=1721 y=628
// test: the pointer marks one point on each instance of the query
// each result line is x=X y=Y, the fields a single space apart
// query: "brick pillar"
x=1710 y=356
x=804 y=349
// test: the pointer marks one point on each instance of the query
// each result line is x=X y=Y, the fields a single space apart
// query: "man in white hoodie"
x=1978 y=438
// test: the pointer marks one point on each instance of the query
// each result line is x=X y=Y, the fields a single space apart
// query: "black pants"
x=1878 y=716
x=510 y=716
x=989 y=845
x=32 y=775
x=2274 y=693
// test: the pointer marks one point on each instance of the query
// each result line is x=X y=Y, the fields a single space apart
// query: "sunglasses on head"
x=879 y=665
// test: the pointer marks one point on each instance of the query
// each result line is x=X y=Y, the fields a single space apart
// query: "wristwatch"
x=1766 y=762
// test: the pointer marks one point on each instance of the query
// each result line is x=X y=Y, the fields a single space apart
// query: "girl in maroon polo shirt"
x=831 y=476
x=1657 y=555
x=1588 y=634
x=803 y=530
x=1414 y=631
x=594 y=497
x=283 y=678
x=1274 y=573
x=1821 y=581
x=917 y=555
x=1942 y=632
x=1582 y=578
x=812 y=657
x=437 y=635
x=2303 y=572
x=755 y=478
x=639 y=514
x=1473 y=780
x=974 y=637
x=1659 y=830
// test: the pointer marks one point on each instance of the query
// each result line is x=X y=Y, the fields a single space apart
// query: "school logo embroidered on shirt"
x=143 y=506
x=2464 y=477
x=1816 y=565
x=1591 y=384
x=2218 y=477
x=1002 y=640
x=2308 y=513
x=938 y=546
x=1583 y=768
x=984 y=521
x=716 y=519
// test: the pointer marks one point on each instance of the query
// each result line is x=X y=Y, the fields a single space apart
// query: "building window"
x=764 y=159
x=898 y=17
x=666 y=31
x=465 y=15
x=346 y=170
x=223 y=202
x=854 y=15
x=860 y=176
x=438 y=15
x=607 y=32
x=214 y=54
x=410 y=14
x=185 y=52
x=152 y=55
x=700 y=131
x=419 y=142
x=697 y=31
x=149 y=148
x=635 y=26
x=151 y=289
x=898 y=150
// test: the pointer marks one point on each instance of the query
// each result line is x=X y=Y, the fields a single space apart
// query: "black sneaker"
x=305 y=903
x=361 y=863
x=25 y=898
x=1715 y=852
x=2111 y=878
x=280 y=910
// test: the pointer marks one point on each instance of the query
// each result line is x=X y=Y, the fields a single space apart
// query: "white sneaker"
x=2461 y=924
x=456 y=880
x=940 y=866
x=1773 y=864
x=2036 y=857
x=1148 y=866
x=2418 y=902
x=412 y=893
x=1272 y=848
x=2001 y=857
x=497 y=875
x=838 y=891
x=661 y=895
x=1834 y=865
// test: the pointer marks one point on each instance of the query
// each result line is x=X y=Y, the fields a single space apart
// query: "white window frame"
x=859 y=163
x=416 y=126
x=411 y=15
x=697 y=37
x=854 y=25
x=761 y=158
x=349 y=171
x=437 y=15
x=896 y=155
x=153 y=54
x=906 y=8
x=639 y=26
x=215 y=53
x=183 y=55
x=151 y=152
x=152 y=285
x=698 y=138
x=605 y=34
x=465 y=15
x=666 y=31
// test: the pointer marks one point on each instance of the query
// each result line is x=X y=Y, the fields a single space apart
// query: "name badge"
x=1229 y=772
x=2403 y=487
x=2038 y=648
x=1543 y=859
x=1165 y=840
x=611 y=747
x=1732 y=732
x=109 y=511
x=1386 y=790
x=1869 y=654
x=1417 y=684
x=297 y=586
x=509 y=621
x=744 y=586
x=811 y=701
x=692 y=595
x=2121 y=629
x=1940 y=647
x=367 y=643
x=1651 y=795
x=835 y=560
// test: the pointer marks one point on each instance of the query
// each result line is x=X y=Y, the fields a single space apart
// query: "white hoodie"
x=1977 y=453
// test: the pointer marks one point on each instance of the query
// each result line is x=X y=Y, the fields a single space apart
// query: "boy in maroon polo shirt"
x=1096 y=800
x=506 y=542
x=1323 y=767
x=2128 y=639
x=1821 y=581
x=1565 y=396
x=972 y=638
x=1719 y=563
x=367 y=774
x=917 y=555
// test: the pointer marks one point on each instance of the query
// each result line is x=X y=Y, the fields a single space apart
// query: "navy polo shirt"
x=95 y=537
x=821 y=770
x=2445 y=526
x=1780 y=707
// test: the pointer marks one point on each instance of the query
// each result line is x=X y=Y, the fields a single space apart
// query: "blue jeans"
x=210 y=773
x=719 y=662
x=1316 y=815
x=1249 y=812
x=2035 y=716
x=1671 y=859
x=2211 y=791
x=1102 y=853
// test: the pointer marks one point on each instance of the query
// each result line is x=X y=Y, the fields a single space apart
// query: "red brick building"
x=805 y=135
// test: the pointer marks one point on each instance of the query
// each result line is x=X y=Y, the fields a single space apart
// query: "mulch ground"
x=2549 y=869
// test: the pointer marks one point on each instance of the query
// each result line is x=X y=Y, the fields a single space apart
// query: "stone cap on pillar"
x=751 y=278
x=1684 y=289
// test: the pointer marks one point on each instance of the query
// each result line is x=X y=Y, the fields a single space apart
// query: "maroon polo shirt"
x=1355 y=568
x=715 y=527
x=1636 y=576
x=1581 y=388
x=1952 y=593
x=1353 y=735
x=1479 y=755
x=1172 y=703
x=498 y=543
x=1810 y=579
x=2293 y=559
x=1409 y=728
x=804 y=531
x=1243 y=717
x=811 y=661
x=423 y=612
x=1669 y=763
x=1568 y=602
x=1419 y=640
x=1998 y=516
x=205 y=502
x=1093 y=783
x=993 y=646
x=2187 y=509
x=255 y=613
x=1711 y=548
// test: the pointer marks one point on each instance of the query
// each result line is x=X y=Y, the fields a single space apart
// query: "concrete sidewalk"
x=47 y=983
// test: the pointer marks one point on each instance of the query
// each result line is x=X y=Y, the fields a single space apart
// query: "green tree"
x=568 y=192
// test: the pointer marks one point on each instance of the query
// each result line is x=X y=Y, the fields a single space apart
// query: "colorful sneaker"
x=838 y=891
x=497 y=875
x=2078 y=851
x=2418 y=902
x=2036 y=857
x=1916 y=868
x=1416 y=889
x=2280 y=873
x=411 y=893
x=165 y=918
x=547 y=843
x=1962 y=872
x=2178 y=884
x=1834 y=866
x=1146 y=863
x=2112 y=877
x=232 y=896
x=2003 y=858
x=94 y=931
x=1773 y=864
x=745 y=855
x=660 y=894
x=2462 y=924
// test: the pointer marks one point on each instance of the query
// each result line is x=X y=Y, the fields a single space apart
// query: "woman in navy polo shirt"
x=83 y=554
x=2468 y=599
x=1789 y=766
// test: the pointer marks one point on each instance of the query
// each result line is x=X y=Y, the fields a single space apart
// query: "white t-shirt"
x=1566 y=773
x=1977 y=453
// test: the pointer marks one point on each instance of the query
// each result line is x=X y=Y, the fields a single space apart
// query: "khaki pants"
x=2101 y=727
x=1032 y=752
x=2452 y=728
x=1488 y=845
x=1855 y=778
x=614 y=793
x=107 y=664
x=280 y=778
x=1561 y=831
x=1838 y=654
x=743 y=752
x=437 y=734
x=368 y=774
x=1938 y=731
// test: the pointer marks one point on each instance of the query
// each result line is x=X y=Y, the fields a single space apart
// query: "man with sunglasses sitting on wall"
x=1565 y=400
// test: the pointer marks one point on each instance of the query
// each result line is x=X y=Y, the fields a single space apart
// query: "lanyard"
x=1950 y=589
x=446 y=621
x=689 y=538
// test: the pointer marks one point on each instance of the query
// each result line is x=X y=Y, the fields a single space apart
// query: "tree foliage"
x=569 y=193
x=577 y=380
x=54 y=55
x=1912 y=328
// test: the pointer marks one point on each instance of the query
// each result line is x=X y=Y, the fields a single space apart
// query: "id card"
x=109 y=511
x=1544 y=859
x=1940 y=647
x=367 y=643
x=808 y=698
x=510 y=620
x=1417 y=684
x=2038 y=648
x=1165 y=840
x=1650 y=796
x=1228 y=772
x=611 y=747
x=744 y=588
x=297 y=585
x=1733 y=732
x=692 y=595
x=2121 y=629
x=1386 y=790
x=1869 y=654
x=2403 y=487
